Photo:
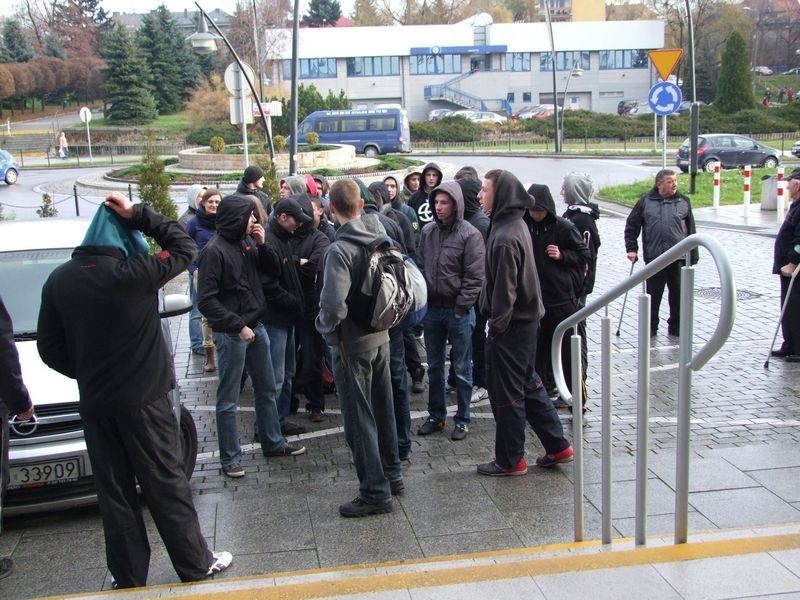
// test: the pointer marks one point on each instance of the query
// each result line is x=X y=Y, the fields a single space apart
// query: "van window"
x=305 y=127
x=382 y=124
x=354 y=124
x=328 y=125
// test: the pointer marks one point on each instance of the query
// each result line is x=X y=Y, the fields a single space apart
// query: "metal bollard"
x=747 y=172
x=75 y=195
x=716 y=185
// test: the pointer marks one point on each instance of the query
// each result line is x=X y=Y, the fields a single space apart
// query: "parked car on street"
x=625 y=106
x=48 y=462
x=796 y=149
x=487 y=117
x=9 y=169
x=762 y=70
x=795 y=71
x=729 y=150
x=466 y=113
x=438 y=113
x=523 y=109
x=686 y=105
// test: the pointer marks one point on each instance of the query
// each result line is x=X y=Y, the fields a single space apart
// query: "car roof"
x=42 y=234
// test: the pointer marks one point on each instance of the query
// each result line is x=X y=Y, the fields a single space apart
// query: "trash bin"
x=769 y=193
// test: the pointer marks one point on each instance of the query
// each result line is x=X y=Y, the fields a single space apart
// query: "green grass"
x=172 y=125
x=731 y=186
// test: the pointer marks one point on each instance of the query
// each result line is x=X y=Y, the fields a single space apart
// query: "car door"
x=748 y=152
x=725 y=150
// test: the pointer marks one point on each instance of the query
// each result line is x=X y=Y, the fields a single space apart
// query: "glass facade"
x=312 y=68
x=564 y=60
x=518 y=61
x=623 y=59
x=434 y=64
x=373 y=66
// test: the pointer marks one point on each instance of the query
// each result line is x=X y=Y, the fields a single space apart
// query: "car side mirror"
x=174 y=305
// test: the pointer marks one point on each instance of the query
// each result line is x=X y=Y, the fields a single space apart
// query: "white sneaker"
x=478 y=394
x=222 y=560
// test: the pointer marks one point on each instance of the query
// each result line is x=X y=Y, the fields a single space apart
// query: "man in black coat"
x=784 y=263
x=99 y=324
x=14 y=398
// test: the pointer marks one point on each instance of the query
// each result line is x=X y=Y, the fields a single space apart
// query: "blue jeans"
x=402 y=409
x=365 y=390
x=282 y=353
x=195 y=328
x=233 y=355
x=441 y=324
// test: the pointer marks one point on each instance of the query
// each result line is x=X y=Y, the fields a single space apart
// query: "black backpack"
x=382 y=292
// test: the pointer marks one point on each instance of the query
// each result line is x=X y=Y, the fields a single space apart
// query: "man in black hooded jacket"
x=419 y=200
x=561 y=260
x=511 y=301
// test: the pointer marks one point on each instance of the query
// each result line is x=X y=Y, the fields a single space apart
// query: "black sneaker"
x=398 y=487
x=430 y=426
x=459 y=432
x=417 y=375
x=233 y=470
x=7 y=565
x=358 y=508
x=316 y=416
x=289 y=428
x=288 y=450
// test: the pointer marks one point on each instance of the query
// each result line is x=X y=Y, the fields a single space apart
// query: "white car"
x=796 y=149
x=487 y=117
x=762 y=70
x=48 y=462
x=462 y=113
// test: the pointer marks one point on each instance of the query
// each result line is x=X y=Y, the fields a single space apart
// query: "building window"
x=526 y=96
x=312 y=68
x=518 y=61
x=623 y=59
x=510 y=96
x=373 y=66
x=564 y=61
x=433 y=64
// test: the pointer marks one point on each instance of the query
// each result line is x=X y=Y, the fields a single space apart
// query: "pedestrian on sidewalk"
x=786 y=259
x=511 y=299
x=99 y=324
x=231 y=298
x=664 y=217
x=63 y=147
x=194 y=195
x=14 y=398
x=360 y=358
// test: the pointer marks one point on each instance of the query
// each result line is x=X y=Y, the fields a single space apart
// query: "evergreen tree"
x=53 y=46
x=127 y=86
x=365 y=14
x=4 y=56
x=323 y=13
x=158 y=51
x=734 y=86
x=183 y=54
x=18 y=48
x=154 y=183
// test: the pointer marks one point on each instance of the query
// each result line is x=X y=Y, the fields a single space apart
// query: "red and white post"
x=748 y=171
x=779 y=208
x=716 y=185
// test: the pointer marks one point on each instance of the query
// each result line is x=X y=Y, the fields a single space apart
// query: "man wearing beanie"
x=251 y=184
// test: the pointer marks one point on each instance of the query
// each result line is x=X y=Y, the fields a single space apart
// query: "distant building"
x=572 y=10
x=186 y=20
x=474 y=64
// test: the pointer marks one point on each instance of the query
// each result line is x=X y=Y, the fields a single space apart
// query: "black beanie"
x=252 y=174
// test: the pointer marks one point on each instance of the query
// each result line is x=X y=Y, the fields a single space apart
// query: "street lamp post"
x=695 y=108
x=575 y=71
x=293 y=107
x=553 y=59
x=205 y=42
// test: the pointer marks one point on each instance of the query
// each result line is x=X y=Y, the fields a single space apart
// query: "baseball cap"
x=291 y=207
x=793 y=175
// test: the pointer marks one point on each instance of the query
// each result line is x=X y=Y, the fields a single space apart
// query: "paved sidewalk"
x=282 y=516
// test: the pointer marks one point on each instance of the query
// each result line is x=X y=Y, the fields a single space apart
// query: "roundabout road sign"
x=664 y=98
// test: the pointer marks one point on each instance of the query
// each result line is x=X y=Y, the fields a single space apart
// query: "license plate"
x=47 y=473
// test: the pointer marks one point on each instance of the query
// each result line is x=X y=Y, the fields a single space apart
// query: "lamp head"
x=203 y=41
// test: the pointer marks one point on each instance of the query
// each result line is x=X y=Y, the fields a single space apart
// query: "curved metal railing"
x=687 y=362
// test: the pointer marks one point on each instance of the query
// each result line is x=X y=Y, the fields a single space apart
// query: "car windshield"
x=22 y=275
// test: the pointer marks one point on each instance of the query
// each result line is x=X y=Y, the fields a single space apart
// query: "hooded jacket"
x=511 y=289
x=390 y=225
x=201 y=229
x=419 y=199
x=663 y=223
x=99 y=321
x=282 y=290
x=14 y=395
x=246 y=191
x=409 y=239
x=191 y=208
x=297 y=183
x=343 y=260
x=406 y=193
x=472 y=208
x=310 y=244
x=583 y=213
x=562 y=280
x=399 y=204
x=451 y=257
x=231 y=268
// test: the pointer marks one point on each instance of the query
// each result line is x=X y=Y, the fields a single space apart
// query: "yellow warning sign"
x=664 y=61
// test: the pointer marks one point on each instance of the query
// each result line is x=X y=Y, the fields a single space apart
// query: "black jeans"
x=517 y=395
x=142 y=445
x=553 y=315
x=309 y=372
x=670 y=277
x=790 y=324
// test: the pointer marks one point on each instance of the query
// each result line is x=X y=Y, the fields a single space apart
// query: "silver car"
x=49 y=465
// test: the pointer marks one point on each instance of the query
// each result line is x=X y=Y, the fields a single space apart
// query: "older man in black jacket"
x=14 y=397
x=99 y=324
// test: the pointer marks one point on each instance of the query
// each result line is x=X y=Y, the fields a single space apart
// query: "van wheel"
x=371 y=152
x=188 y=442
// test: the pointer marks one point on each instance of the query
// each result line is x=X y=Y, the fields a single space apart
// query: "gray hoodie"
x=296 y=183
x=341 y=262
x=191 y=207
x=451 y=257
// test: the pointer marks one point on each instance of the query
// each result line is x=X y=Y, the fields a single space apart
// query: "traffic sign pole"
x=86 y=116
x=664 y=142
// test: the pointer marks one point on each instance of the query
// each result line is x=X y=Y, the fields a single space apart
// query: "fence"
x=79 y=153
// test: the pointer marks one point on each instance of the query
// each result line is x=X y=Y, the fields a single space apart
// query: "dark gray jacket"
x=451 y=257
x=663 y=223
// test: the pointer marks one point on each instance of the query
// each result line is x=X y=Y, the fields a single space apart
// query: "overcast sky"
x=9 y=6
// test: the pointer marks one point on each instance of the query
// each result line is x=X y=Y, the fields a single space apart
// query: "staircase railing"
x=687 y=362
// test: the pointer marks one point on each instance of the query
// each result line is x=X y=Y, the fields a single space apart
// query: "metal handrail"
x=686 y=364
